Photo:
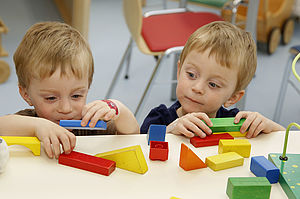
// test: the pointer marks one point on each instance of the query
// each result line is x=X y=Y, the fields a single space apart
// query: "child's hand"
x=97 y=110
x=191 y=124
x=256 y=123
x=51 y=133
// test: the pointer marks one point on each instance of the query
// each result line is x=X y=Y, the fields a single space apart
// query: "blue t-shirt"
x=165 y=116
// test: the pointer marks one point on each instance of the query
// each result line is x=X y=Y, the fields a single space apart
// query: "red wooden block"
x=87 y=162
x=209 y=140
x=159 y=150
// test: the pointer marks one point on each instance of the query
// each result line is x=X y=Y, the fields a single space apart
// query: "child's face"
x=204 y=85
x=57 y=97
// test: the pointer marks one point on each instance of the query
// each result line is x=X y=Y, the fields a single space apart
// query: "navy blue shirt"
x=165 y=116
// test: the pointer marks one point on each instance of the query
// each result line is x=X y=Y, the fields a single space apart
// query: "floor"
x=109 y=37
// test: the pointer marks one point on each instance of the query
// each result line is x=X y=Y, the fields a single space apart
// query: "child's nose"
x=198 y=87
x=65 y=106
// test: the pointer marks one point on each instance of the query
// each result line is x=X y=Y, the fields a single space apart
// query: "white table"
x=29 y=176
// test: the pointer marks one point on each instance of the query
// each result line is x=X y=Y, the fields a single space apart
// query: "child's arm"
x=46 y=131
x=191 y=124
x=256 y=124
x=124 y=120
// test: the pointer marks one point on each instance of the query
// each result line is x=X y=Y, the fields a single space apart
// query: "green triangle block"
x=289 y=178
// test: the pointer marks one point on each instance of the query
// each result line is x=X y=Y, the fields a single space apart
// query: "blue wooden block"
x=76 y=124
x=156 y=133
x=262 y=167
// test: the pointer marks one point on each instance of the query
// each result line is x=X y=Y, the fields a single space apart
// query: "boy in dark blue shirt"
x=215 y=66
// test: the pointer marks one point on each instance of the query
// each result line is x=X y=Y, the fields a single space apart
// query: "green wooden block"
x=289 y=178
x=248 y=188
x=225 y=124
x=213 y=3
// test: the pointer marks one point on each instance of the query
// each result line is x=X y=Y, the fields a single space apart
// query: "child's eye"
x=76 y=96
x=50 y=98
x=213 y=85
x=191 y=75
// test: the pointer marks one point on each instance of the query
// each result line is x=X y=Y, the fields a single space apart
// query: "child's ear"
x=234 y=98
x=24 y=93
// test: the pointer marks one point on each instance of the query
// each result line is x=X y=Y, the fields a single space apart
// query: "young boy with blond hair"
x=54 y=65
x=215 y=66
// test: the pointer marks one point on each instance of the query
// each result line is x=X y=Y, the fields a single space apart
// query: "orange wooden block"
x=189 y=160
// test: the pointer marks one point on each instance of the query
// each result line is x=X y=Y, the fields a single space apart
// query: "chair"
x=158 y=33
x=294 y=51
x=4 y=67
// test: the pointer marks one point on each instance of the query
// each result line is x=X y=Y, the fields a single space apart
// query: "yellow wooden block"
x=31 y=143
x=129 y=158
x=240 y=146
x=224 y=161
x=234 y=134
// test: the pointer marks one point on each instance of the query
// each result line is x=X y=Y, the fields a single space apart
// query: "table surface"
x=29 y=176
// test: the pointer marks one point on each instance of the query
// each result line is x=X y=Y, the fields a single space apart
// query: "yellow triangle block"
x=31 y=143
x=129 y=158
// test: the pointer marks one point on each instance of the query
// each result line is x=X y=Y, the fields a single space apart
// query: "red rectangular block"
x=87 y=162
x=159 y=150
x=209 y=140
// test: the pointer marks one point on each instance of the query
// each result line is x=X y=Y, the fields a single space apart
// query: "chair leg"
x=282 y=91
x=174 y=77
x=128 y=58
x=147 y=89
x=125 y=56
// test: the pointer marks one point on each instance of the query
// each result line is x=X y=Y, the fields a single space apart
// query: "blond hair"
x=231 y=47
x=49 y=46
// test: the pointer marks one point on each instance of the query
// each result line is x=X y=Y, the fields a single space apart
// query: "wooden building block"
x=31 y=143
x=240 y=146
x=248 y=188
x=225 y=124
x=189 y=160
x=156 y=133
x=262 y=167
x=224 y=161
x=159 y=150
x=234 y=133
x=289 y=173
x=87 y=162
x=129 y=158
x=209 y=140
x=76 y=124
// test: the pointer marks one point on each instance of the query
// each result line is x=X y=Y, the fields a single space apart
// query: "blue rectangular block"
x=156 y=133
x=262 y=167
x=76 y=124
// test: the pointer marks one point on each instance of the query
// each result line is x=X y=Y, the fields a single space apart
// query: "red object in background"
x=159 y=150
x=209 y=140
x=87 y=162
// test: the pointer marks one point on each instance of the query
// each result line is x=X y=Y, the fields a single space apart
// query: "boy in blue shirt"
x=215 y=66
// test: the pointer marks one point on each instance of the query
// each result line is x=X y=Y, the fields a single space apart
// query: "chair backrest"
x=133 y=13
